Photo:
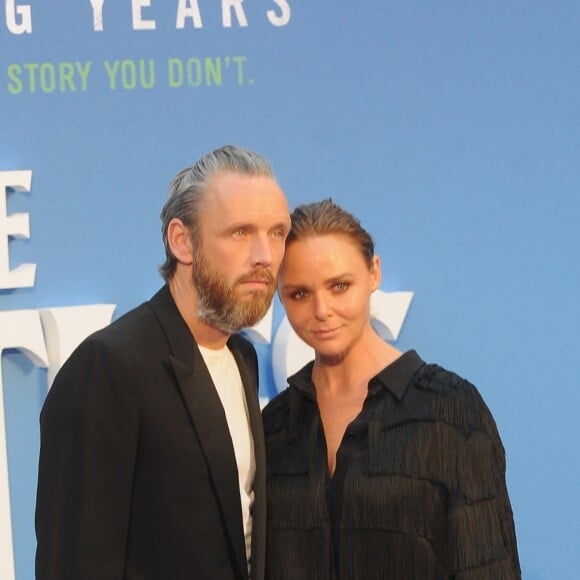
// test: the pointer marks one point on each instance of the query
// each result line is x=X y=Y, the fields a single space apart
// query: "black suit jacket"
x=137 y=473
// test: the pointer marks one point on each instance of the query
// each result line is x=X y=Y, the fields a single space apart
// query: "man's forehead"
x=244 y=200
x=228 y=189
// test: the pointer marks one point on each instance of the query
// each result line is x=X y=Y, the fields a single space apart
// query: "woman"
x=380 y=466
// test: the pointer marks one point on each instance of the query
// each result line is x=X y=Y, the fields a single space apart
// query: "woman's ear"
x=179 y=240
x=375 y=273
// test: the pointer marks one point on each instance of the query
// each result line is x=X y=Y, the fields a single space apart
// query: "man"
x=152 y=453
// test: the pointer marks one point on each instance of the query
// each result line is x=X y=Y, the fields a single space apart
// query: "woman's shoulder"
x=437 y=379
x=443 y=394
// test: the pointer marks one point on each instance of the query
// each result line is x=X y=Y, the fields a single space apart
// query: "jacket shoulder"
x=126 y=339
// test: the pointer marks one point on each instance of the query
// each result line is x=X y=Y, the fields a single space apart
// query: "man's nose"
x=260 y=252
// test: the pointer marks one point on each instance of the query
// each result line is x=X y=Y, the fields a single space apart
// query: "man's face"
x=243 y=226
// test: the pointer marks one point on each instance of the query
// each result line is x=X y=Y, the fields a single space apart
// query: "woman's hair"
x=189 y=186
x=326 y=217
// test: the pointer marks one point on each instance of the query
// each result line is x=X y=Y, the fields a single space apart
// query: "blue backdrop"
x=450 y=128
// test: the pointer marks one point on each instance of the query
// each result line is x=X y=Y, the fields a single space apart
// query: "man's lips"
x=256 y=281
x=263 y=277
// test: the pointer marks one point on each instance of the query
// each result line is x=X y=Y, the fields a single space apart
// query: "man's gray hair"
x=189 y=186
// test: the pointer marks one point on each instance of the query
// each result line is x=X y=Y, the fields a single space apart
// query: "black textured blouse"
x=419 y=487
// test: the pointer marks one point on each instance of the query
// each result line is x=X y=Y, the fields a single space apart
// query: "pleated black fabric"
x=422 y=484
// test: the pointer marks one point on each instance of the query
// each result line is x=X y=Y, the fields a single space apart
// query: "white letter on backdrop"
x=138 y=22
x=284 y=17
x=16 y=225
x=97 y=14
x=188 y=9
x=19 y=329
x=25 y=13
x=227 y=6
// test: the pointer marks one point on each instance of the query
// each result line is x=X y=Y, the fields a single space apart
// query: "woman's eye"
x=298 y=295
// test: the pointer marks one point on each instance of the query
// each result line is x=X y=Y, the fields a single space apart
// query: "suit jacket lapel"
x=207 y=417
x=248 y=366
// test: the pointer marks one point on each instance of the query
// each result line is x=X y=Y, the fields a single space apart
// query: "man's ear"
x=375 y=273
x=180 y=241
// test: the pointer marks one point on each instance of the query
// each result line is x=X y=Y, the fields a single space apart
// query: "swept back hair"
x=326 y=217
x=188 y=187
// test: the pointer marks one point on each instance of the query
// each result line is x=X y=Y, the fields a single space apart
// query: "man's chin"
x=257 y=313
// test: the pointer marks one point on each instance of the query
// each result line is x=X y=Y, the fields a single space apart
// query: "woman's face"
x=325 y=288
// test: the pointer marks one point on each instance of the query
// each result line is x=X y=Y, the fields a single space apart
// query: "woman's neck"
x=352 y=371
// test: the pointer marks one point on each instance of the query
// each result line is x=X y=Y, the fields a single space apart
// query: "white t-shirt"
x=228 y=383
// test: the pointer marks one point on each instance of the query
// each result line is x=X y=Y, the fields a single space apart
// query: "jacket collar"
x=206 y=412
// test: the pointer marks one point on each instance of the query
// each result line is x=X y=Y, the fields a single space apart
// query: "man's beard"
x=218 y=302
